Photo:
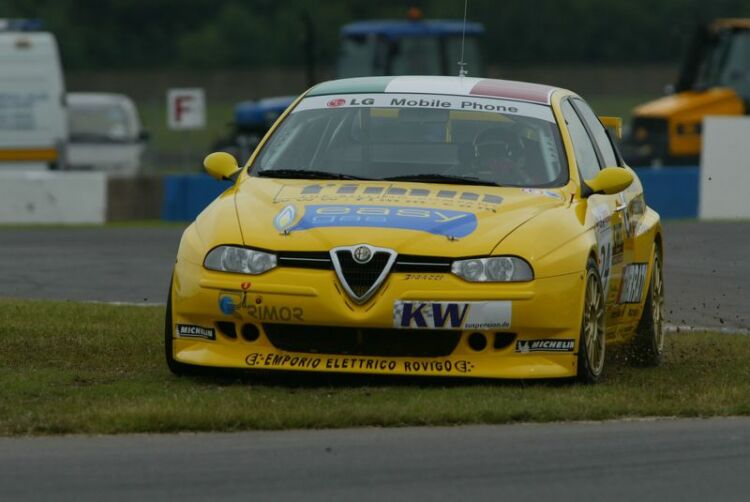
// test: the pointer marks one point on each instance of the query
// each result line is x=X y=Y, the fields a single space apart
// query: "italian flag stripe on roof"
x=457 y=86
x=351 y=86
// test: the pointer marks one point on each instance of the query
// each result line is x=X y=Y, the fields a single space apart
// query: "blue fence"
x=186 y=195
x=671 y=191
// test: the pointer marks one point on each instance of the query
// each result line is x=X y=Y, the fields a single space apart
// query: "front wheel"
x=592 y=342
x=648 y=345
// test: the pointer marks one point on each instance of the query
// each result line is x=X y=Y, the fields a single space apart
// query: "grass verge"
x=86 y=368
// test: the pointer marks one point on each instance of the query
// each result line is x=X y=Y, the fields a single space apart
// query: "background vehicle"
x=714 y=80
x=33 y=122
x=407 y=47
x=105 y=133
x=251 y=121
x=414 y=46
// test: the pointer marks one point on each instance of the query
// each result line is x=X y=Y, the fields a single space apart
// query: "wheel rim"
x=593 y=325
x=657 y=304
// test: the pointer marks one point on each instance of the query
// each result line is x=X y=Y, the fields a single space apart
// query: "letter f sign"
x=186 y=108
x=181 y=106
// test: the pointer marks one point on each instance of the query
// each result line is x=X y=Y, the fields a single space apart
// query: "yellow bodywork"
x=555 y=230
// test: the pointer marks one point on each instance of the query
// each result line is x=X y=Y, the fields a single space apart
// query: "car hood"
x=412 y=218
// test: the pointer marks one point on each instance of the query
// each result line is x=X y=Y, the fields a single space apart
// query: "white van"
x=33 y=118
x=105 y=133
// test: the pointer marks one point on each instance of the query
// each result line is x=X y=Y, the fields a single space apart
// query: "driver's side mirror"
x=610 y=180
x=221 y=165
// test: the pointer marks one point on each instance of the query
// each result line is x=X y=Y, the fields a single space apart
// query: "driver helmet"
x=498 y=148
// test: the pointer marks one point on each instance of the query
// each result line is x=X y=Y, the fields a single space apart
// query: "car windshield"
x=418 y=137
x=726 y=63
x=99 y=123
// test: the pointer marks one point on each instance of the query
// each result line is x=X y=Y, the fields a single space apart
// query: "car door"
x=603 y=211
x=630 y=208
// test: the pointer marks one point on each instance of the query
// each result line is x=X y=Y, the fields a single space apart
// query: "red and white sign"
x=186 y=108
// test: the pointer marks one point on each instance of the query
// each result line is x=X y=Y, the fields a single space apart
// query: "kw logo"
x=452 y=315
x=434 y=315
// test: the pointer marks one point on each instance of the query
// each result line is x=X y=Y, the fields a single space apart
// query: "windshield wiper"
x=442 y=178
x=305 y=174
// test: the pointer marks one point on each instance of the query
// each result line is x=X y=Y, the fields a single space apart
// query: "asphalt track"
x=706 y=266
x=660 y=460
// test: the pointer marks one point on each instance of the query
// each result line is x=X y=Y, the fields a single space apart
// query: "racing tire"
x=647 y=347
x=592 y=342
x=176 y=367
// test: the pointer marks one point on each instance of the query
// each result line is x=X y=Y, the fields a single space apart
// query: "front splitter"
x=479 y=365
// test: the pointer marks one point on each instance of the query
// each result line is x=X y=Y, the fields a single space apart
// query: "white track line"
x=127 y=304
x=684 y=328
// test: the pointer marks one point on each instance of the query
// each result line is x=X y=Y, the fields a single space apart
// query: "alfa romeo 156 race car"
x=444 y=226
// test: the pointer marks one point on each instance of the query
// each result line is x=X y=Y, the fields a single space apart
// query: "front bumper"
x=246 y=314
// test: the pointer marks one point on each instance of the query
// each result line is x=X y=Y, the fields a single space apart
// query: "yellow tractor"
x=714 y=80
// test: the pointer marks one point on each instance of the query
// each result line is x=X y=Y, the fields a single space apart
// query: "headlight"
x=240 y=260
x=495 y=269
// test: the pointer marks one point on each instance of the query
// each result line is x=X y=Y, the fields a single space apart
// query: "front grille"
x=321 y=260
x=305 y=259
x=362 y=341
x=415 y=263
x=360 y=277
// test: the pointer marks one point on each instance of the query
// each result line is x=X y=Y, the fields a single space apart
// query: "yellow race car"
x=441 y=226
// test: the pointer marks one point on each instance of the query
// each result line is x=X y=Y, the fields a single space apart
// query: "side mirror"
x=610 y=180
x=221 y=165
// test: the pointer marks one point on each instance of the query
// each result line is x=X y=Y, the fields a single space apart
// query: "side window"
x=598 y=132
x=586 y=158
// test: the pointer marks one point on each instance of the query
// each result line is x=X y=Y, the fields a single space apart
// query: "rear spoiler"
x=614 y=123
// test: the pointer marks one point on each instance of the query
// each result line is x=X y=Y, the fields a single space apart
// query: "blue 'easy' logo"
x=434 y=221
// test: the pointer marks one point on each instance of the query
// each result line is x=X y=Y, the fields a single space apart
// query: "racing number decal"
x=604 y=240
x=605 y=267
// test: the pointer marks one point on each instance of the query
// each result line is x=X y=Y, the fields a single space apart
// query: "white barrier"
x=52 y=197
x=725 y=168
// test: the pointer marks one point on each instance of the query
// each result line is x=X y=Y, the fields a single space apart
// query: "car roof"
x=456 y=86
x=406 y=28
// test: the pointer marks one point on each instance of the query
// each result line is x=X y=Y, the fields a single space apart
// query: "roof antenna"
x=462 y=63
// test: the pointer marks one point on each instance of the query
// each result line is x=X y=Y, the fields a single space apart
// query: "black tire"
x=178 y=368
x=647 y=347
x=592 y=340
